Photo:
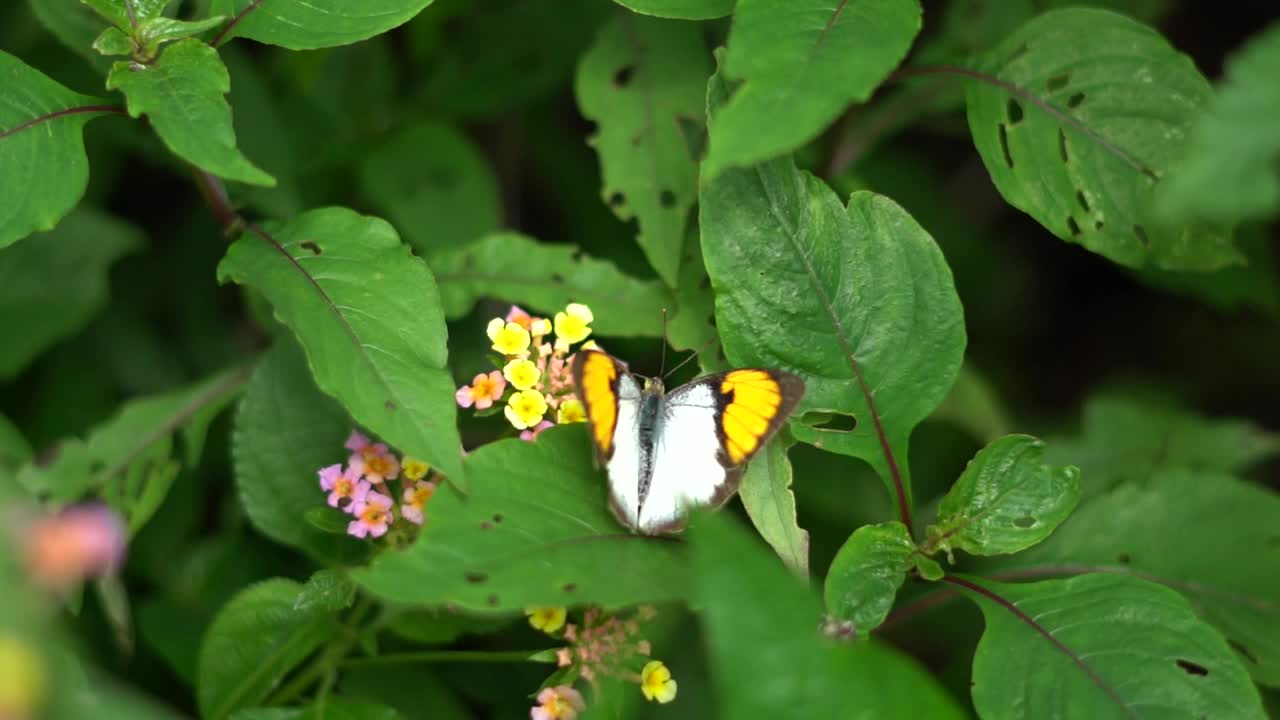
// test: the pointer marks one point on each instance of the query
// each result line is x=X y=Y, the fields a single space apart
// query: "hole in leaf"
x=1097 y=225
x=1244 y=651
x=486 y=525
x=570 y=587
x=617 y=200
x=310 y=245
x=1124 y=559
x=390 y=405
x=1073 y=226
x=622 y=77
x=1004 y=145
x=830 y=420
x=667 y=198
x=1062 y=145
x=1074 y=101
x=1141 y=234
x=475 y=578
x=497 y=517
x=492 y=600
x=1014 y=110
x=1083 y=200
x=1025 y=521
x=1057 y=82
x=1191 y=668
x=557 y=278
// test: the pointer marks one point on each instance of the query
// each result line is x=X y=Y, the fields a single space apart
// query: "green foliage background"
x=1023 y=253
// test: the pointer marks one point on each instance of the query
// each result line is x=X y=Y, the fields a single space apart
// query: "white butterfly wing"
x=686 y=467
x=624 y=466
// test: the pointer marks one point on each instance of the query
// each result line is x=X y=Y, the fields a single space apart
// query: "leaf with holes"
x=1229 y=568
x=805 y=61
x=544 y=278
x=680 y=9
x=770 y=659
x=435 y=185
x=256 y=639
x=1101 y=646
x=858 y=300
x=767 y=497
x=639 y=80
x=182 y=94
x=52 y=284
x=535 y=530
x=1230 y=172
x=866 y=574
x=41 y=149
x=368 y=315
x=1083 y=113
x=312 y=24
x=1006 y=500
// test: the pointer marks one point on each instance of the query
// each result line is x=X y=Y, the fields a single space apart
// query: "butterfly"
x=665 y=452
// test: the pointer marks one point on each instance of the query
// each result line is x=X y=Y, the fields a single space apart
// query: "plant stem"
x=425 y=656
x=328 y=660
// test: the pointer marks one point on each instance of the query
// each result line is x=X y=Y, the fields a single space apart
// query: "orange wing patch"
x=749 y=416
x=597 y=378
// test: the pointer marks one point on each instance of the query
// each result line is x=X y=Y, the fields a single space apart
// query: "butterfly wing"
x=611 y=397
x=710 y=428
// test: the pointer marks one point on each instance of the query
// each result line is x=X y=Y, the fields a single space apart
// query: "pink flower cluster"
x=79 y=542
x=363 y=488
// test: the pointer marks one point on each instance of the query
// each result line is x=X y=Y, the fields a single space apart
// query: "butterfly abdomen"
x=647 y=430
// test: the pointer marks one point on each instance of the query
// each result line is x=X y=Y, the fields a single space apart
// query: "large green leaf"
x=545 y=278
x=768 y=656
x=766 y=494
x=182 y=94
x=435 y=185
x=52 y=284
x=1102 y=646
x=1006 y=500
x=640 y=80
x=866 y=573
x=75 y=25
x=1207 y=535
x=257 y=638
x=368 y=315
x=311 y=24
x=534 y=530
x=1230 y=171
x=1088 y=112
x=41 y=149
x=803 y=61
x=859 y=301
x=681 y=9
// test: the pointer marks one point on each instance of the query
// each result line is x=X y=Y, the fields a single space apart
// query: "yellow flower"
x=571 y=411
x=656 y=682
x=413 y=468
x=590 y=345
x=508 y=338
x=572 y=325
x=539 y=327
x=547 y=619
x=522 y=374
x=22 y=679
x=525 y=408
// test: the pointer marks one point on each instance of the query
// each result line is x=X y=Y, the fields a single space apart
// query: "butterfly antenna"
x=663 y=367
x=692 y=355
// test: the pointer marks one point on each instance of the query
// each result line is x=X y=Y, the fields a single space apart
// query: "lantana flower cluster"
x=534 y=382
x=365 y=487
x=602 y=645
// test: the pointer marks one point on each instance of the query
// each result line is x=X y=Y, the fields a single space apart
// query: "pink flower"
x=518 y=316
x=375 y=463
x=79 y=542
x=373 y=515
x=528 y=435
x=415 y=501
x=345 y=488
x=356 y=442
x=483 y=390
x=564 y=657
x=558 y=703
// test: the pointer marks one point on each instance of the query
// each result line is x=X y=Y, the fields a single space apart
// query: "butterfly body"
x=664 y=452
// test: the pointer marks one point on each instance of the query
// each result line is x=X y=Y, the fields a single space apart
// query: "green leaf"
x=1006 y=500
x=1101 y=646
x=326 y=589
x=766 y=494
x=1230 y=170
x=639 y=79
x=1126 y=439
x=805 y=61
x=978 y=25
x=328 y=709
x=312 y=24
x=866 y=573
x=75 y=25
x=693 y=324
x=533 y=531
x=768 y=657
x=125 y=14
x=284 y=432
x=1209 y=536
x=14 y=448
x=52 y=284
x=339 y=280
x=435 y=185
x=680 y=9
x=1101 y=114
x=544 y=278
x=182 y=94
x=255 y=640
x=158 y=30
x=114 y=41
x=41 y=149
x=879 y=307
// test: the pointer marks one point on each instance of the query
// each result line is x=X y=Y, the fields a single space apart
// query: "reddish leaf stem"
x=62 y=113
x=217 y=39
